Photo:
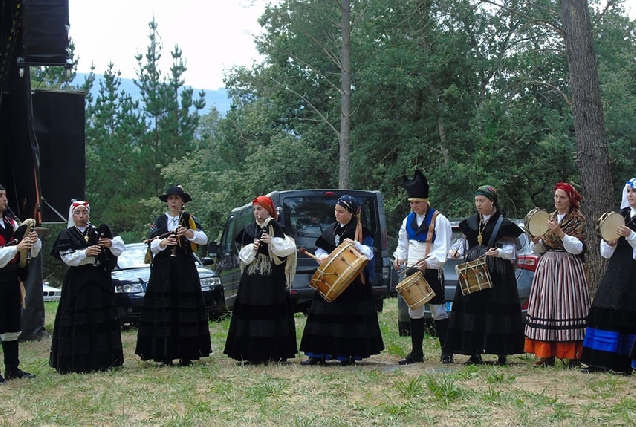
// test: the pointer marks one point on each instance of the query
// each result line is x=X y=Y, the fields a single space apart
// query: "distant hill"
x=213 y=98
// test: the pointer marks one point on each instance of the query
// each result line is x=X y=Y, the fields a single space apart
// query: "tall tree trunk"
x=592 y=153
x=345 y=97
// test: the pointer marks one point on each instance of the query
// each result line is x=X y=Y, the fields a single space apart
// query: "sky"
x=213 y=35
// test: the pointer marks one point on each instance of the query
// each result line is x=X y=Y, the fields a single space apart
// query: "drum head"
x=608 y=223
x=537 y=222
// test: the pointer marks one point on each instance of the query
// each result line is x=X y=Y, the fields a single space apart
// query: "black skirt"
x=174 y=319
x=488 y=321
x=262 y=326
x=346 y=327
x=86 y=332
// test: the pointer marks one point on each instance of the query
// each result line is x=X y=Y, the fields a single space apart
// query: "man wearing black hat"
x=423 y=242
x=10 y=293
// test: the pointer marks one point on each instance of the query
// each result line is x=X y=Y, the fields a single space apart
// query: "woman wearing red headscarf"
x=559 y=299
x=262 y=328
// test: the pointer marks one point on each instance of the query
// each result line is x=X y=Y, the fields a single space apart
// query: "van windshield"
x=307 y=217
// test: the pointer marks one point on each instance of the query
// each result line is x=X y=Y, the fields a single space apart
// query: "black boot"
x=417 y=338
x=442 y=326
x=2 y=380
x=12 y=361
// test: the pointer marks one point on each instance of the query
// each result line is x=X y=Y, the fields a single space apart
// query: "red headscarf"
x=573 y=195
x=268 y=204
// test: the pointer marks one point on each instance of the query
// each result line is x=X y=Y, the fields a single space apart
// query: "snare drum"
x=473 y=276
x=338 y=270
x=608 y=224
x=536 y=222
x=415 y=290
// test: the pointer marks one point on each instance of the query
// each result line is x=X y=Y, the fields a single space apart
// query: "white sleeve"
x=37 y=247
x=7 y=254
x=439 y=251
x=321 y=253
x=118 y=246
x=606 y=250
x=247 y=253
x=283 y=246
x=572 y=245
x=364 y=249
x=631 y=239
x=507 y=251
x=76 y=258
x=155 y=246
x=199 y=238
x=401 y=251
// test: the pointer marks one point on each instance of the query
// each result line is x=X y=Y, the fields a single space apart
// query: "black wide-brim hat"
x=175 y=189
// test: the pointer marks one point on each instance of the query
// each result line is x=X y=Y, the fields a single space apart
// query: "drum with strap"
x=415 y=290
x=338 y=270
x=607 y=225
x=473 y=276
x=535 y=222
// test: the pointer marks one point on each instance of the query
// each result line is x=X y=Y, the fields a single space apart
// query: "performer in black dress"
x=262 y=327
x=488 y=321
x=611 y=322
x=86 y=332
x=11 y=273
x=347 y=328
x=174 y=319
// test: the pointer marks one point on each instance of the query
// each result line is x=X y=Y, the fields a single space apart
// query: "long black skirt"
x=611 y=322
x=174 y=319
x=86 y=331
x=344 y=328
x=262 y=326
x=488 y=321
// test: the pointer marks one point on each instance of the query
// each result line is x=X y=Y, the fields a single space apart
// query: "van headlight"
x=129 y=288
x=209 y=282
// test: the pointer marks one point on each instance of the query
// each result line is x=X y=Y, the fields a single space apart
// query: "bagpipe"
x=186 y=220
x=105 y=258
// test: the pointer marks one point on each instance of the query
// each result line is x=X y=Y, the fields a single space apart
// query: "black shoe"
x=16 y=373
x=313 y=361
x=501 y=361
x=447 y=358
x=475 y=359
x=1 y=380
x=410 y=359
x=185 y=362
x=592 y=369
x=167 y=363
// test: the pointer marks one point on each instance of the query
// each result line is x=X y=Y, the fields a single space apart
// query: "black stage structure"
x=42 y=156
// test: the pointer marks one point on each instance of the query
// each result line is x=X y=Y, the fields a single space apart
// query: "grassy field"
x=376 y=392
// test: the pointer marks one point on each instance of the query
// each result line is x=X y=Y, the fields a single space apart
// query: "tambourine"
x=608 y=224
x=536 y=222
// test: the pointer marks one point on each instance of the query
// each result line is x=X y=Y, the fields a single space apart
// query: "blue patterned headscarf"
x=631 y=183
x=349 y=203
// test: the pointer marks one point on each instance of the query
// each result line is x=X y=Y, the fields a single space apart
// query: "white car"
x=50 y=293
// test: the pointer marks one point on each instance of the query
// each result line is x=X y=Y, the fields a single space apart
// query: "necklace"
x=83 y=233
x=336 y=237
x=481 y=228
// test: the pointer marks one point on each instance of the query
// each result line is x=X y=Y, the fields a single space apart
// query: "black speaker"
x=45 y=26
x=59 y=127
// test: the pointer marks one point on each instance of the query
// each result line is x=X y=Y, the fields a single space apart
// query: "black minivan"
x=305 y=214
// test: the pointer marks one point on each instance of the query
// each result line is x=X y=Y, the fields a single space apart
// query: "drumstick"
x=306 y=252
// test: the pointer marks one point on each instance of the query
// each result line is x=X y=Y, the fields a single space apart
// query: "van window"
x=307 y=217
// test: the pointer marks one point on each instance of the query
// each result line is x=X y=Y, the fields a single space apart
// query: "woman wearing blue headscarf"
x=611 y=322
x=345 y=329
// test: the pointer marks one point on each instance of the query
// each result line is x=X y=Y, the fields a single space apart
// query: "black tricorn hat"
x=176 y=189
x=416 y=188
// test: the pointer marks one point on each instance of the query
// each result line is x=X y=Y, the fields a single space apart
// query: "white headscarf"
x=74 y=205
